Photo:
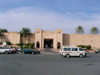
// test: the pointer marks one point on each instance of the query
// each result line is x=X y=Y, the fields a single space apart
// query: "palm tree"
x=25 y=32
x=79 y=30
x=94 y=30
x=1 y=36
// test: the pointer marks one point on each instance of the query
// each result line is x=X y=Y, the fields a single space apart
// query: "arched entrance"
x=58 y=45
x=38 y=44
x=48 y=43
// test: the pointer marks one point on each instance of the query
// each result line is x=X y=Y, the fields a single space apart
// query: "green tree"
x=25 y=32
x=32 y=45
x=1 y=36
x=94 y=30
x=1 y=33
x=3 y=30
x=8 y=43
x=20 y=44
x=79 y=30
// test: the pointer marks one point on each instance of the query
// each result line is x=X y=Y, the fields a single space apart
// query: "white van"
x=6 y=50
x=72 y=51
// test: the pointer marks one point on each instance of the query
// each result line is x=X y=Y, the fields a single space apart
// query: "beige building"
x=53 y=39
x=48 y=39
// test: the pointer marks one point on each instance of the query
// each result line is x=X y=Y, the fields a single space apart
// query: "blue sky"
x=61 y=6
x=49 y=14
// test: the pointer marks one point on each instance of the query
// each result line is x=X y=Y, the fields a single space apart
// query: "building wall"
x=29 y=39
x=59 y=37
x=66 y=39
x=13 y=37
x=82 y=39
x=38 y=37
x=49 y=35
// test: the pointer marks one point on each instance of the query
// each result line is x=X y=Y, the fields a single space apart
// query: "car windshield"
x=26 y=49
x=67 y=49
x=32 y=49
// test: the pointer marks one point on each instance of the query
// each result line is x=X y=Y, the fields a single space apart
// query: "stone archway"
x=48 y=43
x=38 y=44
x=58 y=45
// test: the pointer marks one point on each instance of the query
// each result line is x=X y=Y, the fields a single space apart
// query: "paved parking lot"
x=49 y=64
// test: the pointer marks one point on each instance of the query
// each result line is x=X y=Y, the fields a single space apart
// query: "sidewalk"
x=49 y=51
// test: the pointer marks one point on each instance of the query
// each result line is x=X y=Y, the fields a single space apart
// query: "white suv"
x=6 y=50
x=74 y=51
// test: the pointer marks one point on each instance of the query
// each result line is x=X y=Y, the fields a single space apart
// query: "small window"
x=59 y=32
x=67 y=49
x=38 y=31
x=74 y=49
x=81 y=49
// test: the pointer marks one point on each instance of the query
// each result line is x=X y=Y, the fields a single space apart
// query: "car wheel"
x=67 y=55
x=6 y=52
x=10 y=52
x=64 y=56
x=23 y=52
x=96 y=52
x=81 y=56
x=33 y=52
x=38 y=52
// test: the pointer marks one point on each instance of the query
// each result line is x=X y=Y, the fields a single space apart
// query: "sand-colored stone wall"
x=84 y=39
x=13 y=37
x=29 y=39
x=66 y=39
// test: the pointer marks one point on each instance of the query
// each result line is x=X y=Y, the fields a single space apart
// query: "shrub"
x=88 y=47
x=28 y=45
x=1 y=43
x=82 y=46
x=31 y=45
x=25 y=46
x=85 y=46
x=20 y=44
x=8 y=43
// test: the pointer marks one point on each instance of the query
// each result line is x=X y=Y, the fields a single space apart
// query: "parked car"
x=29 y=51
x=72 y=51
x=18 y=49
x=97 y=51
x=37 y=52
x=14 y=50
x=6 y=50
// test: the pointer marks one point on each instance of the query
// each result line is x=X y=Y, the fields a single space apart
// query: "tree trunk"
x=25 y=40
x=0 y=39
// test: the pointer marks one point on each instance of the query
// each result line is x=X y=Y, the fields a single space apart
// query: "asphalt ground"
x=49 y=64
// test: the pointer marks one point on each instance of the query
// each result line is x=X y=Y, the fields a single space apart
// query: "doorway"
x=48 y=43
x=38 y=45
